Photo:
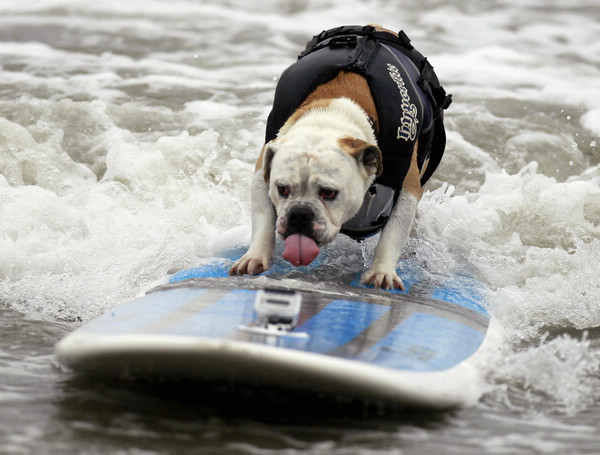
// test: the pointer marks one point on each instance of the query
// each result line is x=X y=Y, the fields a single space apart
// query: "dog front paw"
x=382 y=277
x=251 y=264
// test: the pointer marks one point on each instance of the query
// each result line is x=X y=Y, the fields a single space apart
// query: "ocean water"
x=128 y=135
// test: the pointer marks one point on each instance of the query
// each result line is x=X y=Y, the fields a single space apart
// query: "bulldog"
x=355 y=132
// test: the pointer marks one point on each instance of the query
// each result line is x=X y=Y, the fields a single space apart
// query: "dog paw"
x=250 y=264
x=382 y=278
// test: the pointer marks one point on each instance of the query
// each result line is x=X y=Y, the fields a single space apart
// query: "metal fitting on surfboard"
x=278 y=307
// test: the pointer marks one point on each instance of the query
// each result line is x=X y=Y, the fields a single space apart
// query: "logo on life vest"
x=408 y=122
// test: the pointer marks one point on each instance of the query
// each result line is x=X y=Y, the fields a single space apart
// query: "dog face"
x=318 y=183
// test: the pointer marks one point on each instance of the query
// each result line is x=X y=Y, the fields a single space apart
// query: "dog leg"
x=258 y=257
x=382 y=272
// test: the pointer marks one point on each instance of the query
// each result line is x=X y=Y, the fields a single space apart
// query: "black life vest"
x=407 y=94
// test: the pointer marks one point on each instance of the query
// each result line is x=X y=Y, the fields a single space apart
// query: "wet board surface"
x=410 y=348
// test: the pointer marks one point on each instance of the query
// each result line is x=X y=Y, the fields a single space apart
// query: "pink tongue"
x=300 y=249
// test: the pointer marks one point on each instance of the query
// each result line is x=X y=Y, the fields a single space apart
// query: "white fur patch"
x=342 y=117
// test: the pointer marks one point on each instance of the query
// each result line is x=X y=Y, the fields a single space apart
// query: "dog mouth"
x=300 y=249
x=300 y=236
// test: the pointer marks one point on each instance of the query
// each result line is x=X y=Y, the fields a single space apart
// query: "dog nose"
x=300 y=220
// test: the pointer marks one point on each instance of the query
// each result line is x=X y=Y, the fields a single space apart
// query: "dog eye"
x=328 y=194
x=283 y=190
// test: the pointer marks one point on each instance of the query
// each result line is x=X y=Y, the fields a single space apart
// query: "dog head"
x=318 y=183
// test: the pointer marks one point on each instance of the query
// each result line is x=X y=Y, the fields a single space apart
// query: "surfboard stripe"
x=424 y=342
x=375 y=332
x=219 y=319
x=340 y=322
x=142 y=312
x=464 y=291
x=183 y=312
x=457 y=297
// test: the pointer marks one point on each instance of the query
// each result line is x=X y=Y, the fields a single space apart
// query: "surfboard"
x=291 y=332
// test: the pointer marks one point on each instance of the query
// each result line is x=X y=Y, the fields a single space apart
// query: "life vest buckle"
x=341 y=41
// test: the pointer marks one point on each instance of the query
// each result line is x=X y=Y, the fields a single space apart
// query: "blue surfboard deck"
x=409 y=347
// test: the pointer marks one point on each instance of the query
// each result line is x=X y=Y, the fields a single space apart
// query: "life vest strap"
x=347 y=35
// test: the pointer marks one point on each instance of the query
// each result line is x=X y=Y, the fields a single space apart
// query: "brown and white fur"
x=328 y=147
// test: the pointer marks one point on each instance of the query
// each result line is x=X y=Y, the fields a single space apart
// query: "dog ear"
x=268 y=153
x=366 y=154
x=370 y=157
